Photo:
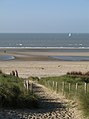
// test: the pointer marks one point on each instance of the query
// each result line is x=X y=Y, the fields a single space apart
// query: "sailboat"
x=69 y=34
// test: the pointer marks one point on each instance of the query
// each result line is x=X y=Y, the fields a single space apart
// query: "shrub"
x=13 y=94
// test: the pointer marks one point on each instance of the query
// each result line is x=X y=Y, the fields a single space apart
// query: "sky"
x=44 y=16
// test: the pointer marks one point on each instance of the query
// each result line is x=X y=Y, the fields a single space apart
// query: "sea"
x=57 y=42
x=45 y=40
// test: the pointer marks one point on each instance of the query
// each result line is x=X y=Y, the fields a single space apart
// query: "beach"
x=40 y=63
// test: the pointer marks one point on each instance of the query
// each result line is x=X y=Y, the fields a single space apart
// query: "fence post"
x=76 y=86
x=63 y=86
x=53 y=85
x=85 y=87
x=24 y=84
x=76 y=91
x=31 y=87
x=56 y=87
x=69 y=87
x=27 y=84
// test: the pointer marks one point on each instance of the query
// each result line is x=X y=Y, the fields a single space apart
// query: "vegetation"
x=74 y=85
x=14 y=95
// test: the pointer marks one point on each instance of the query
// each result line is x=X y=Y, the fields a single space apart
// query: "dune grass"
x=14 y=95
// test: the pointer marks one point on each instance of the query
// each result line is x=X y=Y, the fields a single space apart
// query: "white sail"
x=70 y=34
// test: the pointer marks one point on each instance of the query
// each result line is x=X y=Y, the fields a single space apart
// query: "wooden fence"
x=28 y=85
x=67 y=87
x=63 y=87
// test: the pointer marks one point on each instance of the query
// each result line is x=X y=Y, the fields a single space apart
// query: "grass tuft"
x=14 y=95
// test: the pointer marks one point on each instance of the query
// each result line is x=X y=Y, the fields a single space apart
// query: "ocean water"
x=6 y=57
x=45 y=40
x=72 y=58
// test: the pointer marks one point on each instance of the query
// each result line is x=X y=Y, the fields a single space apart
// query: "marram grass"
x=14 y=95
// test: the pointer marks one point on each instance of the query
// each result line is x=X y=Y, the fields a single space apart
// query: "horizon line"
x=44 y=32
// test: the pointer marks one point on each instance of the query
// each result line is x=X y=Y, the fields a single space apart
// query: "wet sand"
x=39 y=63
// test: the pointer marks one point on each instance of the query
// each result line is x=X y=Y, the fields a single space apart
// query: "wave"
x=44 y=47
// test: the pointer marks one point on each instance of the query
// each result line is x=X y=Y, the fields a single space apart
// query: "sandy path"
x=51 y=106
x=55 y=106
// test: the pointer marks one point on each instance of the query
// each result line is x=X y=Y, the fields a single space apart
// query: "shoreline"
x=46 y=48
x=43 y=54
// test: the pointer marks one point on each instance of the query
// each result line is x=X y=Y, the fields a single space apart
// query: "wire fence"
x=72 y=89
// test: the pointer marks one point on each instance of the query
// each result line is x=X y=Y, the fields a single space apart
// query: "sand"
x=39 y=63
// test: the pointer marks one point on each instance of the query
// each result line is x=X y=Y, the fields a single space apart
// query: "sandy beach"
x=39 y=63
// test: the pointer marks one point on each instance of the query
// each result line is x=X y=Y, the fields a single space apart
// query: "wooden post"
x=53 y=85
x=31 y=87
x=63 y=86
x=56 y=87
x=69 y=87
x=27 y=84
x=76 y=91
x=24 y=83
x=85 y=87
x=76 y=86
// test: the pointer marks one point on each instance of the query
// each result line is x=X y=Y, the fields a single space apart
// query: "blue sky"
x=44 y=16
